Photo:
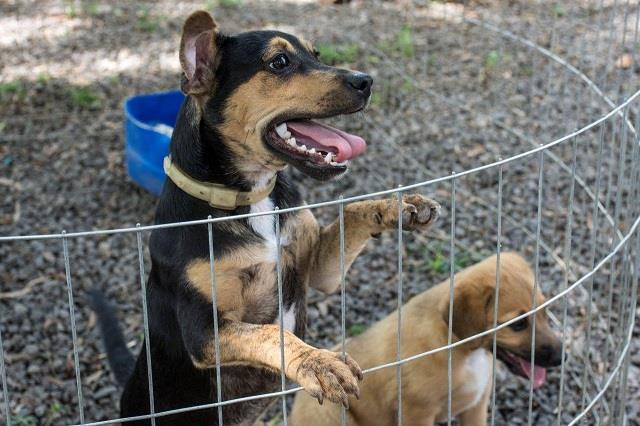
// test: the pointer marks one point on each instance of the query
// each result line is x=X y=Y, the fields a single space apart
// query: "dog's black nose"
x=549 y=355
x=361 y=82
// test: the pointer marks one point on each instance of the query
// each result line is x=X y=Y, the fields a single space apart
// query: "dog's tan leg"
x=361 y=221
x=322 y=373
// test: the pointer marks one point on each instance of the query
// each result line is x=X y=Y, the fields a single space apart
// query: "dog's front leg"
x=324 y=374
x=362 y=220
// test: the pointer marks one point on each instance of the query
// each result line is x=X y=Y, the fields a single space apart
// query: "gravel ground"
x=449 y=96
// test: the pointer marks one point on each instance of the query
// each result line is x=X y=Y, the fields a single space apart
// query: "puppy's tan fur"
x=425 y=327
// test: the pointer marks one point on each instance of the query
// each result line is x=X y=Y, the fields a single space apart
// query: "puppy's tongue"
x=539 y=373
x=346 y=146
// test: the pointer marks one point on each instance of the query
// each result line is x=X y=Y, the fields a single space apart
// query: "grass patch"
x=432 y=60
x=492 y=60
x=43 y=78
x=275 y=420
x=404 y=42
x=436 y=259
x=12 y=88
x=24 y=421
x=332 y=54
x=373 y=59
x=376 y=99
x=407 y=86
x=229 y=3
x=559 y=10
x=53 y=413
x=147 y=22
x=356 y=329
x=85 y=97
x=89 y=8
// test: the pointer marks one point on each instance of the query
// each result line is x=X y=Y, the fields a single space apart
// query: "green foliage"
x=559 y=10
x=53 y=413
x=432 y=60
x=86 y=7
x=114 y=79
x=275 y=420
x=147 y=22
x=407 y=86
x=356 y=329
x=437 y=259
x=376 y=99
x=71 y=9
x=84 y=97
x=43 y=78
x=373 y=59
x=333 y=54
x=12 y=88
x=23 y=421
x=404 y=42
x=230 y=3
x=90 y=8
x=492 y=60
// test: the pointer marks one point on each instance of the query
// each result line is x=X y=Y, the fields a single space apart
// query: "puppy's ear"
x=471 y=305
x=198 y=53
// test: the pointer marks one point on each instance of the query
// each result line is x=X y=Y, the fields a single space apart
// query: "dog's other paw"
x=418 y=211
x=326 y=375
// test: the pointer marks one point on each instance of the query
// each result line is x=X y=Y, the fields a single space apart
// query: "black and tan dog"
x=251 y=98
x=425 y=321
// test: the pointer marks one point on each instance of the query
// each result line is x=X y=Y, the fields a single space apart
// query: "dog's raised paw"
x=418 y=211
x=327 y=375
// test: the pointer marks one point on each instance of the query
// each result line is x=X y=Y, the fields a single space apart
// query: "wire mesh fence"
x=551 y=169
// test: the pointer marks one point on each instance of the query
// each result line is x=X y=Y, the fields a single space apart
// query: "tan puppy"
x=425 y=327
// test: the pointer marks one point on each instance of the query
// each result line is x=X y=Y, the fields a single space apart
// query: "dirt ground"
x=449 y=95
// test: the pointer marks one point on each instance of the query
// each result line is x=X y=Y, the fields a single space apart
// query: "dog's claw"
x=326 y=374
x=419 y=212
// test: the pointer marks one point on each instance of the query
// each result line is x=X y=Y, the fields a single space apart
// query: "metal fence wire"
x=582 y=232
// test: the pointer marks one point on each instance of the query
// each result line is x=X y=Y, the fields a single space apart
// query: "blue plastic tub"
x=149 y=123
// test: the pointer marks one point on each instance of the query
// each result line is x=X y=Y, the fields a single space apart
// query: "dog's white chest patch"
x=478 y=369
x=289 y=318
x=265 y=225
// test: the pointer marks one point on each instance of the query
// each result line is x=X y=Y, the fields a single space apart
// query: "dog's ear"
x=198 y=53
x=471 y=304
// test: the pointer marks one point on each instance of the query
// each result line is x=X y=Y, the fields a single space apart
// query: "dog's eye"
x=519 y=325
x=279 y=62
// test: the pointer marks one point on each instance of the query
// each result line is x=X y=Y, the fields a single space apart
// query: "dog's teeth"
x=281 y=130
x=312 y=151
x=304 y=147
x=287 y=135
x=327 y=159
x=292 y=141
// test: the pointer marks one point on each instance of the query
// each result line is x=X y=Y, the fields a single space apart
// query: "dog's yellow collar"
x=217 y=195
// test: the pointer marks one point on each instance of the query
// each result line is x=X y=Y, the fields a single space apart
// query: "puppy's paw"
x=326 y=375
x=418 y=212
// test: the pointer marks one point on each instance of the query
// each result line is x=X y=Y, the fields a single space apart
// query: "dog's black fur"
x=180 y=318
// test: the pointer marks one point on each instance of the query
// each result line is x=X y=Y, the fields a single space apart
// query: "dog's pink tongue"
x=347 y=145
x=539 y=373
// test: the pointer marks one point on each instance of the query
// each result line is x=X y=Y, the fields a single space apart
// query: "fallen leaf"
x=625 y=61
